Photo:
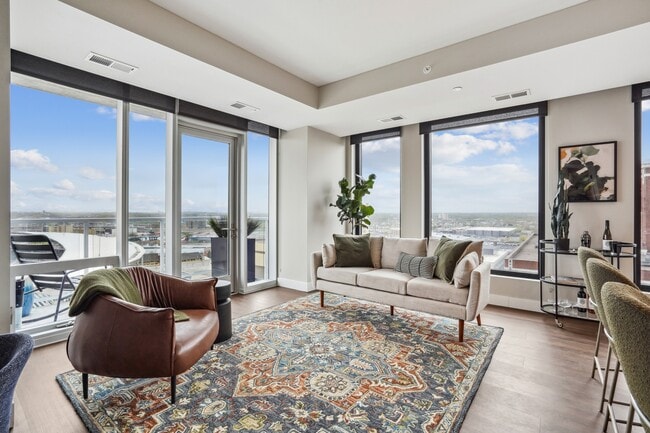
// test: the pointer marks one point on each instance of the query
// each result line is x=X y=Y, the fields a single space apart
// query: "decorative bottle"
x=585 y=239
x=582 y=300
x=607 y=237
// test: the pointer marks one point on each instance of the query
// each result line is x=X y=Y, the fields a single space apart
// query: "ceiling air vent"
x=110 y=63
x=244 y=106
x=512 y=95
x=392 y=119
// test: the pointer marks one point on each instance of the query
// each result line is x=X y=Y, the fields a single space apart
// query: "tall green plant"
x=350 y=202
x=560 y=214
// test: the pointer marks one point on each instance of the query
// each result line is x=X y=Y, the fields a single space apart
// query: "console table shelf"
x=558 y=308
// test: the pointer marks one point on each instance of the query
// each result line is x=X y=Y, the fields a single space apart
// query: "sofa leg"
x=478 y=319
x=84 y=384
x=322 y=299
x=392 y=310
x=461 y=330
x=173 y=390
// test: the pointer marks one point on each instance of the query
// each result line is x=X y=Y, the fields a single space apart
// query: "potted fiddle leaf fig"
x=219 y=244
x=560 y=215
x=350 y=202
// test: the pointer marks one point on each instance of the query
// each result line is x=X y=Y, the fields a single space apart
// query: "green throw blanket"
x=115 y=282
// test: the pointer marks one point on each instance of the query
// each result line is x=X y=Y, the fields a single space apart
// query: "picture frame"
x=589 y=171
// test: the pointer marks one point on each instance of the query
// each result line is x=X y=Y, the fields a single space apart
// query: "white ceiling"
x=326 y=41
x=340 y=66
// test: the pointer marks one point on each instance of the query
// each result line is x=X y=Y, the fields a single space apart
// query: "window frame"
x=640 y=93
x=527 y=111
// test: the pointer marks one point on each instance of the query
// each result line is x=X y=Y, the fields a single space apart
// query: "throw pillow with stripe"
x=416 y=266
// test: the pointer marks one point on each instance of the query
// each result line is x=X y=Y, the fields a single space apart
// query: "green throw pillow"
x=352 y=250
x=448 y=253
x=416 y=266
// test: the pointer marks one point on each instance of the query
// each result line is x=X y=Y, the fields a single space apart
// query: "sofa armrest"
x=316 y=262
x=115 y=338
x=479 y=291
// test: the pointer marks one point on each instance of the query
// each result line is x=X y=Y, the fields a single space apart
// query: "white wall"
x=5 y=188
x=310 y=164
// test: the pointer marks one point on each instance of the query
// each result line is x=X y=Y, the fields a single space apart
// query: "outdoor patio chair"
x=35 y=248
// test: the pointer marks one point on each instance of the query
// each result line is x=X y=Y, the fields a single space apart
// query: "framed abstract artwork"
x=589 y=171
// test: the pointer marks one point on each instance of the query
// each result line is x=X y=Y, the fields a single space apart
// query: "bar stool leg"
x=604 y=390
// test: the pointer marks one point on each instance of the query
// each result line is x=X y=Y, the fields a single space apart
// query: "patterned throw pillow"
x=416 y=266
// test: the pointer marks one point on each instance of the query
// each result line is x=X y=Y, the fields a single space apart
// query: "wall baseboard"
x=303 y=286
x=516 y=303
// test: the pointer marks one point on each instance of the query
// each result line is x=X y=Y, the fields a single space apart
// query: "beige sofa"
x=382 y=284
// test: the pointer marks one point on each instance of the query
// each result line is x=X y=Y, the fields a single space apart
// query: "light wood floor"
x=538 y=381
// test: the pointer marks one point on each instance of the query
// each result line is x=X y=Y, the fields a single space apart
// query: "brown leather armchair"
x=116 y=338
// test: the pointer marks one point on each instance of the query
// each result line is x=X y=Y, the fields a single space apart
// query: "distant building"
x=525 y=257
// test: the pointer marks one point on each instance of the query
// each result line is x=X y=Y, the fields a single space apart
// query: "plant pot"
x=219 y=257
x=562 y=244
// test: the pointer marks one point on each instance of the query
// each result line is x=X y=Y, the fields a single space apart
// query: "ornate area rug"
x=297 y=367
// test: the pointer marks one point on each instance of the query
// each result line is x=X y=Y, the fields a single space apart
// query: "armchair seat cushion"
x=194 y=337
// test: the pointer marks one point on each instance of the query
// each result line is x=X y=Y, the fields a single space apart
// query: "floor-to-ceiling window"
x=71 y=180
x=147 y=156
x=63 y=168
x=378 y=153
x=484 y=180
x=260 y=185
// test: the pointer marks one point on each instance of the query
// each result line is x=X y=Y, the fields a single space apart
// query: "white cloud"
x=15 y=189
x=509 y=130
x=106 y=111
x=65 y=185
x=31 y=159
x=645 y=105
x=451 y=149
x=385 y=145
x=501 y=187
x=91 y=173
x=188 y=202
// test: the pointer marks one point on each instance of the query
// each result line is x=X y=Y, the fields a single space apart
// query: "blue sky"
x=63 y=159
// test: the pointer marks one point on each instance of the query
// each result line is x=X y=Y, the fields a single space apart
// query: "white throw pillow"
x=329 y=255
x=463 y=270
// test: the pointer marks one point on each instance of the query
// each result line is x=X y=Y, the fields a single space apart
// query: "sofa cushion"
x=329 y=255
x=393 y=246
x=376 y=242
x=476 y=246
x=464 y=268
x=341 y=275
x=352 y=250
x=449 y=252
x=386 y=280
x=437 y=290
x=416 y=266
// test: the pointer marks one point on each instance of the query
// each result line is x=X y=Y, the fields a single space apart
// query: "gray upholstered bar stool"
x=601 y=272
x=585 y=254
x=628 y=310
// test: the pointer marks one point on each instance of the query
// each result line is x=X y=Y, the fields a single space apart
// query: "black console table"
x=224 y=304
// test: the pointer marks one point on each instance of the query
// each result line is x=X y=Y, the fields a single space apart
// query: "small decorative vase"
x=562 y=244
x=585 y=239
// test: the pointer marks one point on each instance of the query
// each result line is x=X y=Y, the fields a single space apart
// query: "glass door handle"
x=232 y=230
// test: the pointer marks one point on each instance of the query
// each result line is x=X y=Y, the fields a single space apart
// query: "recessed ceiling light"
x=457 y=89
x=426 y=69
